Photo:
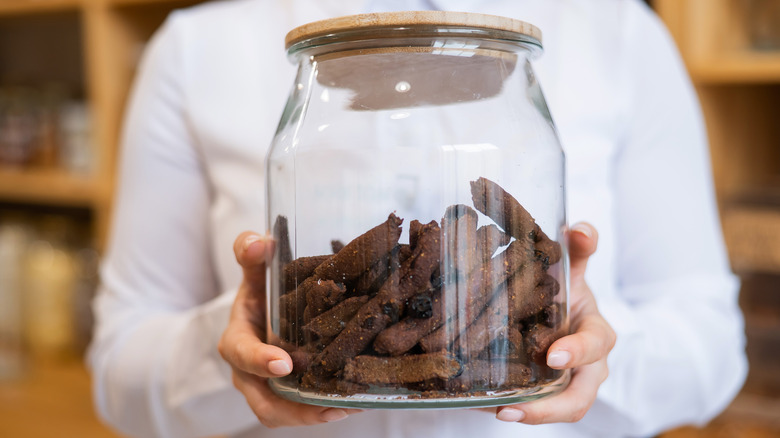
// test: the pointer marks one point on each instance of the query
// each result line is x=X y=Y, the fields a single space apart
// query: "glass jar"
x=416 y=197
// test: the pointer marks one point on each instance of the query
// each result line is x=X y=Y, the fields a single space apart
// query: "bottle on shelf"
x=14 y=238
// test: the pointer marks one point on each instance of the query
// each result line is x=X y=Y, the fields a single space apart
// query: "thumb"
x=583 y=240
x=253 y=252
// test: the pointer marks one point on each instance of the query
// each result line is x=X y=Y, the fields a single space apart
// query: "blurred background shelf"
x=30 y=408
x=167 y=4
x=19 y=7
x=749 y=416
x=66 y=67
x=739 y=68
x=753 y=238
x=732 y=50
x=50 y=187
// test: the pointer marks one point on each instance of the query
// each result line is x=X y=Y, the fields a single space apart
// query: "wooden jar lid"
x=413 y=23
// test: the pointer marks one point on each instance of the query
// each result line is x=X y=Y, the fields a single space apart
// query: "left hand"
x=253 y=362
x=585 y=351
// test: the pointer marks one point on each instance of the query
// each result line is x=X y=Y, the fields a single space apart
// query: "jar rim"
x=411 y=24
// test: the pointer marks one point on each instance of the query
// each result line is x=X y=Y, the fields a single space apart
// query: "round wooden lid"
x=411 y=21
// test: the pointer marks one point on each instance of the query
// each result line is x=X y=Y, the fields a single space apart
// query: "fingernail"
x=558 y=359
x=250 y=239
x=584 y=229
x=279 y=367
x=510 y=415
x=331 y=415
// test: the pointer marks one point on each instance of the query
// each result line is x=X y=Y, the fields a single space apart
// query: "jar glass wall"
x=416 y=193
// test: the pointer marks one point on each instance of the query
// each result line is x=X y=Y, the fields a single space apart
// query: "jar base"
x=417 y=400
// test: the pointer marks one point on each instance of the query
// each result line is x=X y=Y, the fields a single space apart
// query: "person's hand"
x=585 y=351
x=252 y=360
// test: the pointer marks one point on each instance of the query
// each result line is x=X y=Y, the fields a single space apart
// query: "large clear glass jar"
x=416 y=196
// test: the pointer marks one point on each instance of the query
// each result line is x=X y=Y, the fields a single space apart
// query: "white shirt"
x=203 y=111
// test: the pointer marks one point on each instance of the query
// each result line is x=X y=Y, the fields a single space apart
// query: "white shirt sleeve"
x=154 y=361
x=680 y=355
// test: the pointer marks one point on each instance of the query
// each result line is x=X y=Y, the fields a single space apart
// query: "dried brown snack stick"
x=321 y=295
x=553 y=315
x=459 y=231
x=421 y=305
x=416 y=272
x=481 y=285
x=402 y=336
x=287 y=330
x=300 y=269
x=490 y=325
x=493 y=274
x=494 y=202
x=362 y=252
x=371 y=280
x=497 y=204
x=354 y=259
x=514 y=339
x=414 y=231
x=291 y=307
x=530 y=291
x=373 y=317
x=301 y=360
x=335 y=385
x=281 y=233
x=440 y=338
x=538 y=340
x=359 y=332
x=336 y=246
x=330 y=323
x=547 y=251
x=400 y=370
x=490 y=375
x=489 y=239
x=508 y=347
x=293 y=303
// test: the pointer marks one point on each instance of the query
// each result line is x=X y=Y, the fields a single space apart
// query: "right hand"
x=253 y=361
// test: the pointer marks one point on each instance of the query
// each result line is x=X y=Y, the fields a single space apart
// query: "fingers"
x=583 y=240
x=252 y=253
x=585 y=351
x=274 y=411
x=241 y=348
x=252 y=360
x=593 y=341
x=569 y=406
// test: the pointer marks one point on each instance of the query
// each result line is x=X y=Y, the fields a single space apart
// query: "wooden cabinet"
x=732 y=51
x=736 y=70
x=90 y=48
x=83 y=52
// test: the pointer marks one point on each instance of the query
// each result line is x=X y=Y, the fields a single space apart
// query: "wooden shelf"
x=767 y=195
x=749 y=416
x=739 y=90
x=50 y=400
x=761 y=409
x=175 y=3
x=738 y=68
x=718 y=40
x=753 y=238
x=54 y=187
x=15 y=7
